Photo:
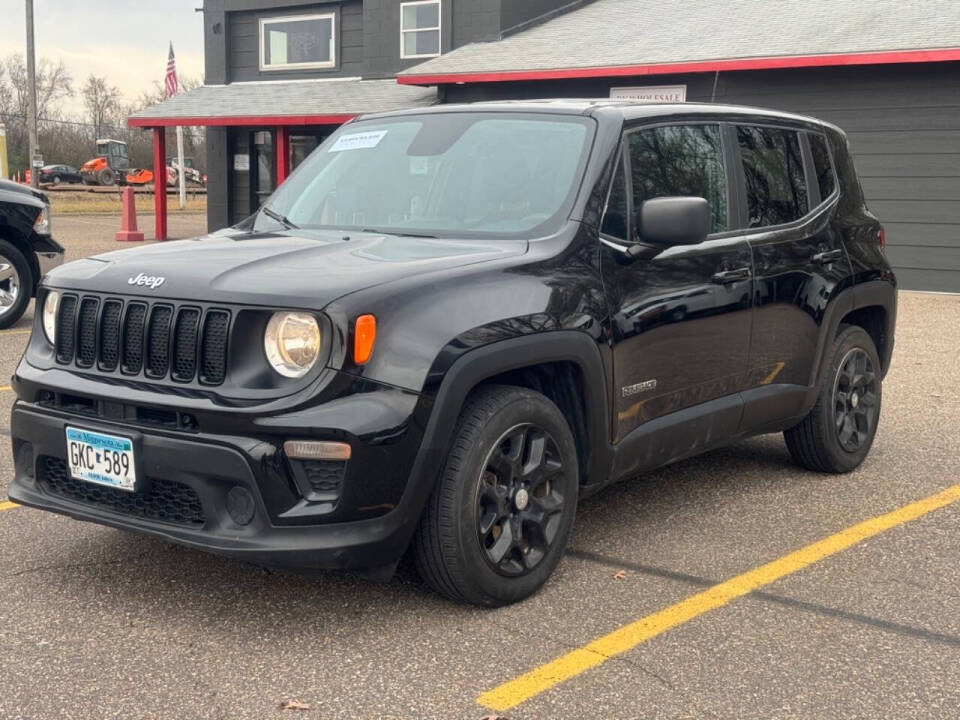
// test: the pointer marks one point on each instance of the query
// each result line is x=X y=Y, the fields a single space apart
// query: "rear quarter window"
x=773 y=170
x=826 y=179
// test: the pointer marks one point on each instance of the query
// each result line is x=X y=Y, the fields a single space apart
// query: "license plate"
x=101 y=459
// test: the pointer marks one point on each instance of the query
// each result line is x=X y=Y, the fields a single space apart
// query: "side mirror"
x=673 y=221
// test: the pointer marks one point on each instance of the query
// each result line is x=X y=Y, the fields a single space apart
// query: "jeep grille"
x=156 y=340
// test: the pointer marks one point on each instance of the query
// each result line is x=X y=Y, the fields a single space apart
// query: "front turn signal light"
x=364 y=334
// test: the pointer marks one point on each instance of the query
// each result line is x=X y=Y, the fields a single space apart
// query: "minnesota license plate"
x=101 y=459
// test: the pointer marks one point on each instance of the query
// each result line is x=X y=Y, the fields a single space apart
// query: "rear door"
x=799 y=261
x=680 y=325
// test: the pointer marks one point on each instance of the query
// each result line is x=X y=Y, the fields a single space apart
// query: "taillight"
x=882 y=237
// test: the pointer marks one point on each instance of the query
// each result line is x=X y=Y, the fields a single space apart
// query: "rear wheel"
x=56 y=179
x=838 y=432
x=16 y=284
x=107 y=177
x=499 y=518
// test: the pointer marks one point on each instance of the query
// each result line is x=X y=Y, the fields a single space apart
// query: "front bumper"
x=190 y=493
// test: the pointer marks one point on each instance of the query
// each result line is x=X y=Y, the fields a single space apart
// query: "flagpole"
x=182 y=174
x=170 y=85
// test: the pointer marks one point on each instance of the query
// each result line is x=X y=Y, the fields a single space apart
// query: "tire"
x=16 y=284
x=56 y=179
x=528 y=511
x=837 y=434
x=107 y=177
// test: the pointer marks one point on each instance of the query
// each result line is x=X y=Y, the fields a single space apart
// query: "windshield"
x=450 y=174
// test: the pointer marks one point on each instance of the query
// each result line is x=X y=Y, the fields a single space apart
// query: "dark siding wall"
x=517 y=12
x=219 y=167
x=381 y=33
x=243 y=47
x=903 y=123
x=476 y=21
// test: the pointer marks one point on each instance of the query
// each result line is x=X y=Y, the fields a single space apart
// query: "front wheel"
x=500 y=515
x=16 y=284
x=838 y=432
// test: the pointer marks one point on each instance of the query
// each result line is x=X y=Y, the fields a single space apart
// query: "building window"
x=420 y=29
x=301 y=42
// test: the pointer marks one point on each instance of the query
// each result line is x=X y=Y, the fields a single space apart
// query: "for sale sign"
x=651 y=93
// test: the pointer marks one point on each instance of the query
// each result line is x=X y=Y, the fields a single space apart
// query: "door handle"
x=730 y=276
x=826 y=257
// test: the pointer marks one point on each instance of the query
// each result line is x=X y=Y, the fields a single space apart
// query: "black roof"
x=628 y=109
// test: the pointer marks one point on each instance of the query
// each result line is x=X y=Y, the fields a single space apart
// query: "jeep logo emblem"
x=150 y=281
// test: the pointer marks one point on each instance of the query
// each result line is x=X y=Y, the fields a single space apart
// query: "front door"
x=681 y=316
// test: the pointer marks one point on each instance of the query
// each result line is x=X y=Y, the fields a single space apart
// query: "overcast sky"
x=125 y=41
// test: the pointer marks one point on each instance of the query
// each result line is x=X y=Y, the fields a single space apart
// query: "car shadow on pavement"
x=140 y=571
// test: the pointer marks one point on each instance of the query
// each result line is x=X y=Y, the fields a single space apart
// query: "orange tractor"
x=111 y=166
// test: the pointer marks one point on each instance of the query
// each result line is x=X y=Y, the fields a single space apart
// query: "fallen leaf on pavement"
x=294 y=705
x=620 y=575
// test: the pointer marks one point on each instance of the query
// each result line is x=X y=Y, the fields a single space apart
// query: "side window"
x=615 y=218
x=680 y=160
x=773 y=168
x=821 y=165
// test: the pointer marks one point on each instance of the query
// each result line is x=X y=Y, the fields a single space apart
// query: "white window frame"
x=266 y=21
x=438 y=29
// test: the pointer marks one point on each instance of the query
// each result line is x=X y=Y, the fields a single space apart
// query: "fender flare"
x=873 y=293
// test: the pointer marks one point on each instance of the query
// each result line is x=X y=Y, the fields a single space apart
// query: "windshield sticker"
x=358 y=141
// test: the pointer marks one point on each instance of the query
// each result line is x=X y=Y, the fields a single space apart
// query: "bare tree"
x=54 y=83
x=101 y=100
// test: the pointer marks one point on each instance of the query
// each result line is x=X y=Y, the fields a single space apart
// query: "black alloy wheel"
x=855 y=400
x=519 y=503
x=499 y=517
x=838 y=432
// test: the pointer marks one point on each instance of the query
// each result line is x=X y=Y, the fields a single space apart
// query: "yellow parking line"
x=5 y=388
x=16 y=332
x=619 y=641
x=7 y=505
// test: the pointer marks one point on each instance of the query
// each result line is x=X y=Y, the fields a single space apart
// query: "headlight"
x=292 y=343
x=42 y=225
x=50 y=305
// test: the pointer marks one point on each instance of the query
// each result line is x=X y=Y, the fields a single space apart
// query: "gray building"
x=281 y=75
x=886 y=71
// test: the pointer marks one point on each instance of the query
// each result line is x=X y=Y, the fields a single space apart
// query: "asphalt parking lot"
x=96 y=623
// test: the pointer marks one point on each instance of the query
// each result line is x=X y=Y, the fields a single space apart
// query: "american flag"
x=170 y=79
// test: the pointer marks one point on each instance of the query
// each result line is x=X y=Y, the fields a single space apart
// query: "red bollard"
x=128 y=226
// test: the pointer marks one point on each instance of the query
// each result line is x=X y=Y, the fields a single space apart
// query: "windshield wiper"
x=282 y=219
x=398 y=234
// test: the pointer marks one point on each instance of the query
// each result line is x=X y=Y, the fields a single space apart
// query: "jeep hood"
x=300 y=268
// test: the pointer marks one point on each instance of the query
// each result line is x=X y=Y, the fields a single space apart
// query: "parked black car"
x=449 y=324
x=27 y=249
x=56 y=174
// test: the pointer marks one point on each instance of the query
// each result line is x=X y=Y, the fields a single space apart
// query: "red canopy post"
x=160 y=182
x=283 y=153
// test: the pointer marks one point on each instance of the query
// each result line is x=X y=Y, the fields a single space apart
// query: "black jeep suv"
x=27 y=249
x=449 y=324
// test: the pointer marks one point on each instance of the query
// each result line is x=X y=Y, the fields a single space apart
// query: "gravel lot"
x=97 y=623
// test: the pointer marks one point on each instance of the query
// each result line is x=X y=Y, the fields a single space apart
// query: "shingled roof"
x=291 y=102
x=637 y=37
